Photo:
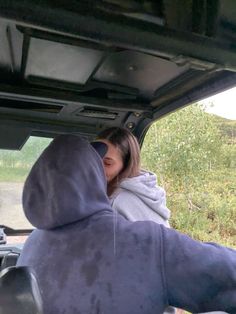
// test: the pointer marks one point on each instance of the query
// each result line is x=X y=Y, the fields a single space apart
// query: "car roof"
x=82 y=66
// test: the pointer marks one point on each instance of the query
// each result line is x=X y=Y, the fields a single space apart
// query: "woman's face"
x=112 y=161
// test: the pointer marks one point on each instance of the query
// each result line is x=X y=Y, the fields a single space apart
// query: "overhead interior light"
x=98 y=114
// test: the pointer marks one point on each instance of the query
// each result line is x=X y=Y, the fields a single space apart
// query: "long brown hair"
x=128 y=145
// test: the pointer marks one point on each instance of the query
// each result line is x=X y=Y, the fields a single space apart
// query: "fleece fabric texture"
x=88 y=260
x=146 y=200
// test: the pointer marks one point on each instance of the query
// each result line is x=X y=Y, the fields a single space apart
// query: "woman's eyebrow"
x=108 y=158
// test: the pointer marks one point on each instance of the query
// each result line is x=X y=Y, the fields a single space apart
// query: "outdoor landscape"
x=193 y=154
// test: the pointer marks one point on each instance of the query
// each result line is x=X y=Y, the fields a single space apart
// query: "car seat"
x=19 y=292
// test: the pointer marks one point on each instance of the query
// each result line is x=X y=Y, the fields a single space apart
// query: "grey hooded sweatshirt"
x=87 y=262
x=145 y=199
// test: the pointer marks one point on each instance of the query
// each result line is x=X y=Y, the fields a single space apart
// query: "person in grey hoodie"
x=133 y=192
x=127 y=183
x=86 y=262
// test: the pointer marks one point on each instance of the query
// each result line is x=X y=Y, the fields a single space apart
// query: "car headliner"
x=83 y=66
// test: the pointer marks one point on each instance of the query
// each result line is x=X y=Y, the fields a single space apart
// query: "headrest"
x=19 y=292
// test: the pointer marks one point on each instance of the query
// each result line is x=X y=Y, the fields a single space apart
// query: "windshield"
x=14 y=168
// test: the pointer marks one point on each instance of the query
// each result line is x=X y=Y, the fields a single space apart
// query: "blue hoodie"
x=88 y=260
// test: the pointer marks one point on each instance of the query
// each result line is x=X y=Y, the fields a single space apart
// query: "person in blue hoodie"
x=127 y=183
x=86 y=261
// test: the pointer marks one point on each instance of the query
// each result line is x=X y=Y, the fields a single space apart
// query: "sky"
x=223 y=104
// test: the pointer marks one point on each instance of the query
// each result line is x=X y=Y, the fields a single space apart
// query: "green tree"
x=32 y=149
x=183 y=147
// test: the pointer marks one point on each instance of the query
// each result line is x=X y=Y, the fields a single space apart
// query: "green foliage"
x=15 y=165
x=194 y=156
x=227 y=129
x=229 y=155
x=182 y=146
x=11 y=174
x=207 y=213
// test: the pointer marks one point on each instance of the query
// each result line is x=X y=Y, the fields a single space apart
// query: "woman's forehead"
x=113 y=151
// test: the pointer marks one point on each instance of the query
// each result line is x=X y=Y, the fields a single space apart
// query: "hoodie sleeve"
x=199 y=277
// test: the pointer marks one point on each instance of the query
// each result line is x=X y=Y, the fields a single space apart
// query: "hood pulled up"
x=65 y=185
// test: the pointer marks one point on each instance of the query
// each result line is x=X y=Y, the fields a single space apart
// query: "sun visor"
x=13 y=137
x=72 y=64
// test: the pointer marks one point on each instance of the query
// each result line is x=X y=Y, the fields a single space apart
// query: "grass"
x=10 y=174
x=207 y=212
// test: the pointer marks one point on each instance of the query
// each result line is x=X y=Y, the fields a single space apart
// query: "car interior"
x=15 y=282
x=79 y=67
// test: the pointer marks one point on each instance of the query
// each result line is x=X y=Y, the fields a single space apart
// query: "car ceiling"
x=81 y=66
